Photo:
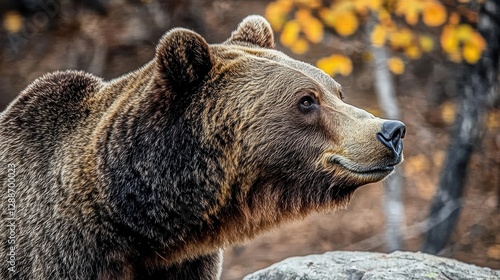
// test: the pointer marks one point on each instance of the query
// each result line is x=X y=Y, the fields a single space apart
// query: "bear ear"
x=254 y=30
x=182 y=60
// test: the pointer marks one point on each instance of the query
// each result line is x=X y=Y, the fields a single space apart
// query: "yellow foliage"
x=311 y=26
x=379 y=33
x=426 y=43
x=410 y=9
x=455 y=36
x=401 y=38
x=303 y=16
x=464 y=32
x=478 y=40
x=413 y=52
x=290 y=33
x=313 y=4
x=346 y=24
x=449 y=39
x=341 y=6
x=341 y=18
x=276 y=13
x=384 y=17
x=300 y=46
x=12 y=22
x=396 y=65
x=363 y=6
x=471 y=53
x=335 y=64
x=458 y=41
x=454 y=19
x=434 y=14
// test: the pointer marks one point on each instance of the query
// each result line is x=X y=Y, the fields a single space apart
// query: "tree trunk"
x=393 y=186
x=473 y=86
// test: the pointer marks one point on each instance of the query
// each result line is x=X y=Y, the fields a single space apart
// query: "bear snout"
x=391 y=134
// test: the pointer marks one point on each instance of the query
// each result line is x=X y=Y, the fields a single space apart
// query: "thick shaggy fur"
x=151 y=175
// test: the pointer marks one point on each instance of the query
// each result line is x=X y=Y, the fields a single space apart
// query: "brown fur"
x=152 y=174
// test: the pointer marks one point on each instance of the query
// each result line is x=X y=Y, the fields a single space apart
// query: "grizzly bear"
x=153 y=174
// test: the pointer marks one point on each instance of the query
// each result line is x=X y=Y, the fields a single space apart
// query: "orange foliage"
x=290 y=33
x=396 y=65
x=277 y=12
x=303 y=22
x=335 y=64
x=378 y=36
x=311 y=26
x=410 y=9
x=341 y=17
x=434 y=14
x=401 y=38
x=426 y=43
x=462 y=41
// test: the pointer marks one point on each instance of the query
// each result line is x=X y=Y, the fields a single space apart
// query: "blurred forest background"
x=112 y=37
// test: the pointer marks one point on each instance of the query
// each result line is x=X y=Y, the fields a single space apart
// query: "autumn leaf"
x=311 y=26
x=413 y=52
x=459 y=41
x=290 y=33
x=378 y=35
x=478 y=40
x=313 y=4
x=384 y=17
x=396 y=65
x=363 y=6
x=434 y=14
x=276 y=13
x=346 y=24
x=401 y=38
x=471 y=53
x=410 y=9
x=341 y=18
x=300 y=46
x=464 y=32
x=455 y=36
x=426 y=43
x=449 y=39
x=335 y=64
x=12 y=22
x=454 y=19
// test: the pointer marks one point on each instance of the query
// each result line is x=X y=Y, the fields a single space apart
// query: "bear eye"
x=341 y=95
x=307 y=104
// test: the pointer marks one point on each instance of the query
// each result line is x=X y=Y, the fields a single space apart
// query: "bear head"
x=245 y=137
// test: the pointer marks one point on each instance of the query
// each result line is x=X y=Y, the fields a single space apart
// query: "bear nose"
x=391 y=134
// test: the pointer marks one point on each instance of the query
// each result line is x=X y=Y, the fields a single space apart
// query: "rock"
x=372 y=266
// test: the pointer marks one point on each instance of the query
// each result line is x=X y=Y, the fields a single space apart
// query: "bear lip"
x=359 y=169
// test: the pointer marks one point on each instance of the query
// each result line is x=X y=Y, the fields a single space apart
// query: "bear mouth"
x=381 y=170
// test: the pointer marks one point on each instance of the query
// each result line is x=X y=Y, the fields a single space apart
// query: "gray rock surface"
x=372 y=266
